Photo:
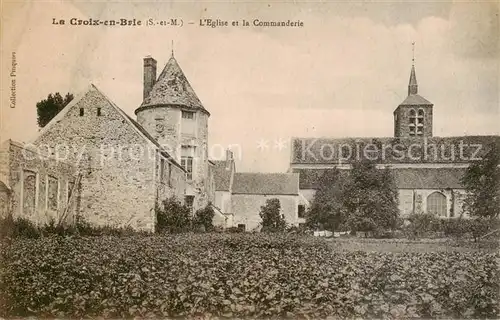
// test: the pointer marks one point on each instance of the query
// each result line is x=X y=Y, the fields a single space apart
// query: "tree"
x=173 y=217
x=371 y=198
x=362 y=199
x=50 y=107
x=204 y=217
x=327 y=210
x=272 y=218
x=482 y=185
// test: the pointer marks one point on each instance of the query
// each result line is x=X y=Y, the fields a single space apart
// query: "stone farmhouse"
x=427 y=169
x=117 y=169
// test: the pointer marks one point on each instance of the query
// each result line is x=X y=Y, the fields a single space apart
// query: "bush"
x=19 y=227
x=239 y=276
x=173 y=217
x=422 y=225
x=24 y=228
x=204 y=218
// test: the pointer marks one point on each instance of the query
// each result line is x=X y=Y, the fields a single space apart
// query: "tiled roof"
x=406 y=178
x=266 y=183
x=222 y=175
x=391 y=150
x=415 y=100
x=172 y=88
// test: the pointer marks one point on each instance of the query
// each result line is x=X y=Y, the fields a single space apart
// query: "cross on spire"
x=172 y=49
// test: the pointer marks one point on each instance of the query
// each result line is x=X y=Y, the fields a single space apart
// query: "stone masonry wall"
x=117 y=162
x=402 y=123
x=163 y=123
x=27 y=175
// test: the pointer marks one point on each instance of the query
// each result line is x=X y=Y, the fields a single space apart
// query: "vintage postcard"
x=244 y=159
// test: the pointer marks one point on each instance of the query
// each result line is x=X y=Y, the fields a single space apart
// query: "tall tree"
x=327 y=210
x=371 y=198
x=50 y=107
x=363 y=199
x=482 y=184
x=272 y=218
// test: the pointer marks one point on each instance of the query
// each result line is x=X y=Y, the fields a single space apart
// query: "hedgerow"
x=239 y=275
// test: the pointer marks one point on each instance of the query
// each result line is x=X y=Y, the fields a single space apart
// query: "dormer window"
x=188 y=115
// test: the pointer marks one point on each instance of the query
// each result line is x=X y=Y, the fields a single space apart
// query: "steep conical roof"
x=413 y=98
x=172 y=88
x=412 y=85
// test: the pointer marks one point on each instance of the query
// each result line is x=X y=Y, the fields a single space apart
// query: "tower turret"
x=413 y=117
x=173 y=114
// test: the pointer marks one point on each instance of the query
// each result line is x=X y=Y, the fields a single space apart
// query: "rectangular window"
x=241 y=227
x=162 y=170
x=301 y=211
x=98 y=112
x=170 y=175
x=53 y=193
x=187 y=164
x=81 y=112
x=188 y=115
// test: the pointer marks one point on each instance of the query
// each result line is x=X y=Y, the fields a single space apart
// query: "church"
x=427 y=169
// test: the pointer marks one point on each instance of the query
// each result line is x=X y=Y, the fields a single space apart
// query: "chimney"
x=149 y=76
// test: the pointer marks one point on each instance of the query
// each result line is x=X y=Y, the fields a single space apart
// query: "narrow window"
x=170 y=175
x=98 y=112
x=81 y=112
x=162 y=170
x=301 y=211
x=187 y=164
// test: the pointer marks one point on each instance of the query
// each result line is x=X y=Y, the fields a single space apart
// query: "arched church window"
x=412 y=122
x=420 y=122
x=436 y=204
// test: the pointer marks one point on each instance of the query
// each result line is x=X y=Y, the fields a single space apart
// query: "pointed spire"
x=172 y=55
x=412 y=85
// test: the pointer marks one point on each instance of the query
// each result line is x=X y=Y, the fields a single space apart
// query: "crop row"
x=239 y=275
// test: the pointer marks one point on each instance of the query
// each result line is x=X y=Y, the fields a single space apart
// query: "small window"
x=301 y=211
x=82 y=112
x=189 y=200
x=98 y=112
x=187 y=164
x=241 y=227
x=188 y=115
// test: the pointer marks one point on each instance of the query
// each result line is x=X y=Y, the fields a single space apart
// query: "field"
x=243 y=276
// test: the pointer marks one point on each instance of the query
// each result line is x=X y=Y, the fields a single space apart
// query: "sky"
x=340 y=75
